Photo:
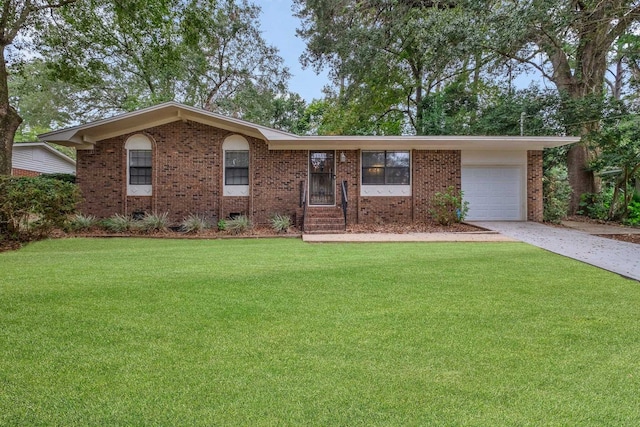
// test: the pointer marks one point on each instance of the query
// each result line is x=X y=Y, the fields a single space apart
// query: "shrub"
x=117 y=223
x=152 y=223
x=595 y=205
x=238 y=225
x=633 y=213
x=81 y=222
x=30 y=207
x=448 y=207
x=222 y=225
x=193 y=224
x=557 y=192
x=280 y=223
x=66 y=177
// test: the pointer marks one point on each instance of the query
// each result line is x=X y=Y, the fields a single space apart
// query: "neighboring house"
x=183 y=160
x=35 y=158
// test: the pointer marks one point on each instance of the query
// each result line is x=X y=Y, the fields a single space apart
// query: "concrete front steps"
x=324 y=220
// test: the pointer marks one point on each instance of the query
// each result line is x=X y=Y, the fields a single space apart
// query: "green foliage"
x=595 y=205
x=118 y=223
x=153 y=222
x=618 y=162
x=633 y=215
x=448 y=207
x=222 y=225
x=66 y=177
x=238 y=225
x=30 y=207
x=194 y=223
x=129 y=54
x=280 y=223
x=385 y=56
x=81 y=222
x=557 y=191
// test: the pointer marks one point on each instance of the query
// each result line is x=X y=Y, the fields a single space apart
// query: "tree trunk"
x=581 y=180
x=9 y=119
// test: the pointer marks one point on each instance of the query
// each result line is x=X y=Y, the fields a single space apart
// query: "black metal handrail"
x=303 y=202
x=344 y=203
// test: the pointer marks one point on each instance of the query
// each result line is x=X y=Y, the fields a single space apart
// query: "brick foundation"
x=23 y=172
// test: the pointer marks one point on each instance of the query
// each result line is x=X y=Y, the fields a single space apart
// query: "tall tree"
x=133 y=53
x=385 y=56
x=568 y=42
x=17 y=17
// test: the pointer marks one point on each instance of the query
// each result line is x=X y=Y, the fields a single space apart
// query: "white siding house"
x=35 y=158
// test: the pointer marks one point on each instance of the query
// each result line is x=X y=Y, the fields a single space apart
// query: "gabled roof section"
x=85 y=136
x=45 y=147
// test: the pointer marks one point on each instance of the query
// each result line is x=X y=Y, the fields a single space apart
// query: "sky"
x=278 y=27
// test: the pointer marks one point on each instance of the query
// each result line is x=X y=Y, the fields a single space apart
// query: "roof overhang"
x=87 y=135
x=420 y=142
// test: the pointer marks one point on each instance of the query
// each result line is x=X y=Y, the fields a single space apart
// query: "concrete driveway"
x=613 y=255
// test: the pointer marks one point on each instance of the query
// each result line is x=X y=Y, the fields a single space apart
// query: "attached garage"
x=494 y=185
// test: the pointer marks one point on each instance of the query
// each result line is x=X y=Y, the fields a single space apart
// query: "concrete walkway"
x=483 y=236
x=619 y=257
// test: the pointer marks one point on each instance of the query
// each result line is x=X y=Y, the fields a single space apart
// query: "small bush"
x=280 y=223
x=153 y=223
x=81 y=222
x=193 y=224
x=117 y=223
x=222 y=225
x=557 y=192
x=633 y=213
x=30 y=207
x=239 y=224
x=66 y=177
x=595 y=205
x=448 y=207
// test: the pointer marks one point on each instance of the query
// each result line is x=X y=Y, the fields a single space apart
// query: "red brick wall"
x=23 y=172
x=433 y=172
x=100 y=176
x=535 y=202
x=382 y=210
x=275 y=183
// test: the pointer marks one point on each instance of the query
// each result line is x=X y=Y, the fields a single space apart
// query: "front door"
x=322 y=176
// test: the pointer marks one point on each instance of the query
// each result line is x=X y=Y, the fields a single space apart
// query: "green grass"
x=278 y=332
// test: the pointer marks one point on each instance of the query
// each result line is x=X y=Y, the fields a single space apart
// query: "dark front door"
x=321 y=182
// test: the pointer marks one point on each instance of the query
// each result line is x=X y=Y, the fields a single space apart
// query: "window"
x=385 y=167
x=140 y=167
x=235 y=159
x=236 y=170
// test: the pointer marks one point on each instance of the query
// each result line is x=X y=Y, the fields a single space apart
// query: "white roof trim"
x=85 y=136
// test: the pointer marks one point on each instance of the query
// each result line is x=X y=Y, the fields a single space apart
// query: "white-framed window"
x=139 y=165
x=386 y=168
x=386 y=173
x=235 y=150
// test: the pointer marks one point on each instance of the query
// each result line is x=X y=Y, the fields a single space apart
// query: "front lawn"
x=279 y=332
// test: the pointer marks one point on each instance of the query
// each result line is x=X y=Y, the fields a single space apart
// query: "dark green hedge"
x=30 y=207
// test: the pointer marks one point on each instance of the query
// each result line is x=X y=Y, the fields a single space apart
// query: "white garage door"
x=493 y=193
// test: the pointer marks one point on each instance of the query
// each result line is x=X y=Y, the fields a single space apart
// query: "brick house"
x=181 y=160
